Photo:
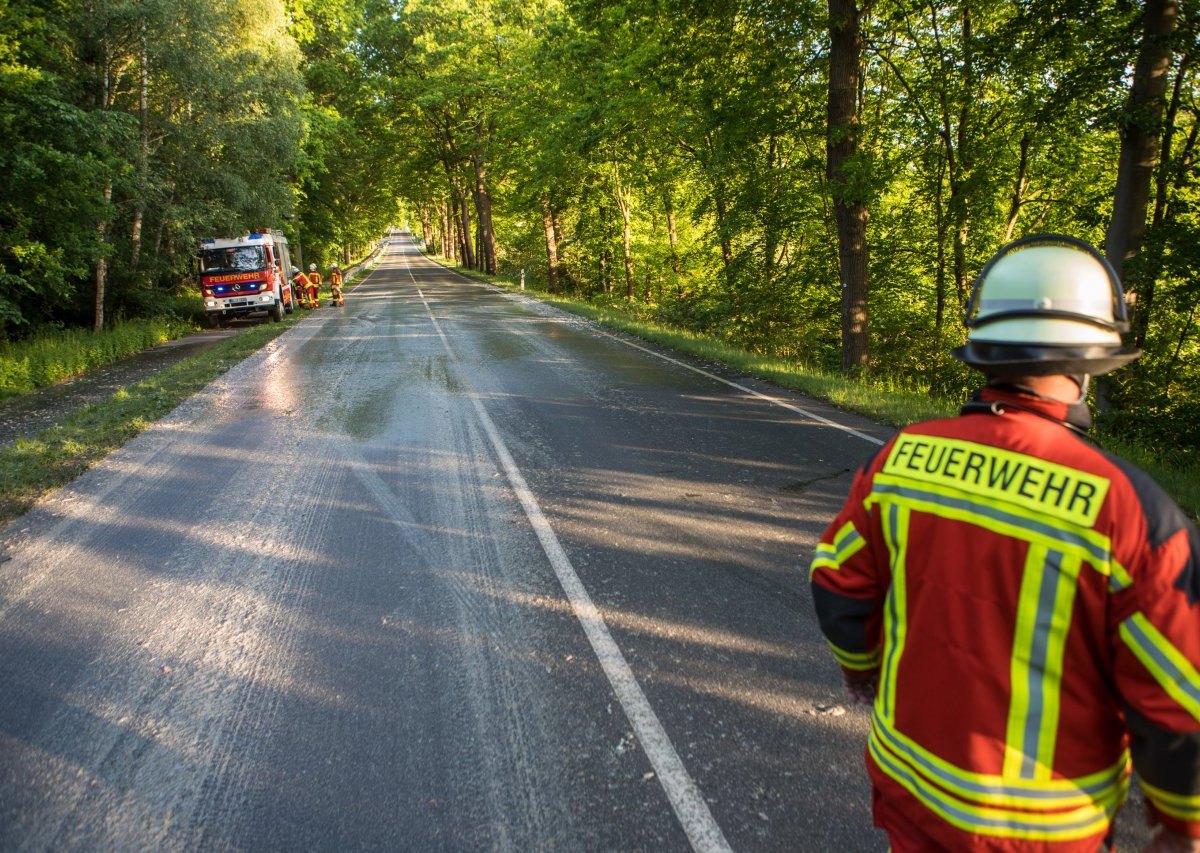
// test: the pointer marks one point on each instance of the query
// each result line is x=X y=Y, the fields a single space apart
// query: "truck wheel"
x=214 y=321
x=223 y=322
x=277 y=312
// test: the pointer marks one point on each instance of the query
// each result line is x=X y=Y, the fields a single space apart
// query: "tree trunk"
x=939 y=320
x=1019 y=187
x=624 y=198
x=426 y=226
x=771 y=224
x=483 y=213
x=101 y=276
x=627 y=243
x=962 y=285
x=1163 y=210
x=101 y=279
x=143 y=165
x=723 y=233
x=959 y=201
x=850 y=211
x=160 y=234
x=558 y=228
x=551 y=246
x=673 y=242
x=467 y=254
x=672 y=233
x=955 y=134
x=1140 y=136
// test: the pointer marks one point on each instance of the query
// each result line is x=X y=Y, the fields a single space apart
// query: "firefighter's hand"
x=861 y=687
x=1170 y=841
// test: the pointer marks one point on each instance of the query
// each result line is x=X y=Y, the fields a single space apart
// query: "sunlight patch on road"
x=654 y=626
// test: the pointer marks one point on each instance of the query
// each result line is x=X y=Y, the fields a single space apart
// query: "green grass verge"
x=53 y=357
x=1178 y=474
x=30 y=468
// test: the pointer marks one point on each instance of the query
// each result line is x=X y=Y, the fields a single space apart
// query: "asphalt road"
x=442 y=570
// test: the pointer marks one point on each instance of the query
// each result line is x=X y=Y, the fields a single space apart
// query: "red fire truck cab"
x=241 y=276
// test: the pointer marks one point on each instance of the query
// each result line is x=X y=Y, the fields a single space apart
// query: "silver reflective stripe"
x=1089 y=307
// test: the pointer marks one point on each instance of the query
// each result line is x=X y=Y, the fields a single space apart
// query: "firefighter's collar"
x=998 y=397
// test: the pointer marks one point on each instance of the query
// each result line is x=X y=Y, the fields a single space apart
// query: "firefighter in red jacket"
x=1020 y=608
x=335 y=285
x=302 y=286
x=314 y=286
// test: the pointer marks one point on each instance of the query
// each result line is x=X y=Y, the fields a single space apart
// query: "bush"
x=53 y=357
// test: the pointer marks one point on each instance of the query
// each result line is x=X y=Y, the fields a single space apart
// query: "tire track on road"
x=681 y=790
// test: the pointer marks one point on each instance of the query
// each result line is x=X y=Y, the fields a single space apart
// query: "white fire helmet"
x=312 y=267
x=1045 y=305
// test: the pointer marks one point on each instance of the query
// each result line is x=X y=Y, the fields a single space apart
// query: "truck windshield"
x=233 y=259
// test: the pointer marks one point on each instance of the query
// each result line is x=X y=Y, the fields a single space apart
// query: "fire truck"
x=241 y=276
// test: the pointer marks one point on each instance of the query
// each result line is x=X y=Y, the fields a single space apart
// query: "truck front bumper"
x=235 y=306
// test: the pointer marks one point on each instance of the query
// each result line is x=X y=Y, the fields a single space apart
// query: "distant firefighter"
x=302 y=287
x=314 y=286
x=335 y=285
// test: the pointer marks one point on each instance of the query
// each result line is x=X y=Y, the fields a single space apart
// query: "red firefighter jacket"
x=1031 y=605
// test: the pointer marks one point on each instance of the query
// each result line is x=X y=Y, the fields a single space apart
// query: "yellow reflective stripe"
x=856 y=660
x=1045 y=606
x=1057 y=809
x=1181 y=806
x=993 y=473
x=1015 y=757
x=999 y=517
x=832 y=555
x=895 y=610
x=998 y=791
x=1173 y=672
x=1061 y=609
x=848 y=537
x=1069 y=825
x=1121 y=579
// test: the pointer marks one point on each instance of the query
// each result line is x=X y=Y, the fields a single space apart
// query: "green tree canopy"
x=671 y=155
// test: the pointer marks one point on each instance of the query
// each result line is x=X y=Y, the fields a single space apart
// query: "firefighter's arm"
x=846 y=594
x=1156 y=615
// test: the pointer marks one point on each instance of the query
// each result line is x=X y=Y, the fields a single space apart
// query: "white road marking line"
x=685 y=797
x=802 y=412
x=783 y=405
